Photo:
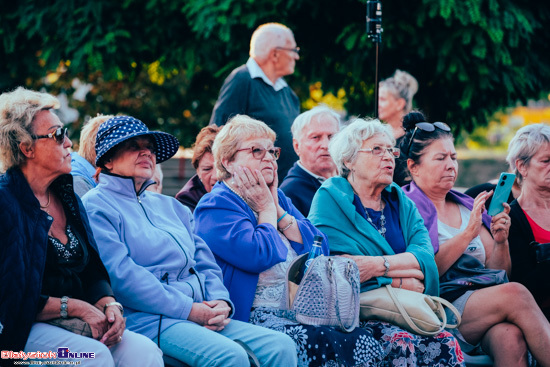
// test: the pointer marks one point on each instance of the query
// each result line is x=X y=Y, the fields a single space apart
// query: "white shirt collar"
x=321 y=179
x=256 y=72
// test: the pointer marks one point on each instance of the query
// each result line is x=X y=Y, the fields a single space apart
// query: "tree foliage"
x=164 y=61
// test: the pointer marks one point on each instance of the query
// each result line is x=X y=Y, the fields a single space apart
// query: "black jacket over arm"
x=29 y=272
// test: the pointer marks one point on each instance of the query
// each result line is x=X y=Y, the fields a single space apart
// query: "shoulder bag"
x=416 y=312
x=328 y=294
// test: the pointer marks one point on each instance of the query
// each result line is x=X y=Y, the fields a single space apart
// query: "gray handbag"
x=328 y=294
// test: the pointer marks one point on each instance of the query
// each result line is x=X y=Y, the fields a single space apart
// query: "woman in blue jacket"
x=165 y=276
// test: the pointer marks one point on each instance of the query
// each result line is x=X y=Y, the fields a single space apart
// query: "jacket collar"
x=122 y=185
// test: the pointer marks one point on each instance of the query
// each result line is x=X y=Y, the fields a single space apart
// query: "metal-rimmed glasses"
x=259 y=153
x=58 y=135
x=429 y=127
x=379 y=151
x=295 y=49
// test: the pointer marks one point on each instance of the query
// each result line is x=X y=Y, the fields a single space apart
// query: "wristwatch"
x=64 y=307
x=386 y=265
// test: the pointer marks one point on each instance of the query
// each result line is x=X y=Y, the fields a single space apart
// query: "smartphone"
x=501 y=194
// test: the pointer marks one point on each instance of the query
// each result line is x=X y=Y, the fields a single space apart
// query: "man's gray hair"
x=345 y=145
x=525 y=144
x=305 y=118
x=266 y=37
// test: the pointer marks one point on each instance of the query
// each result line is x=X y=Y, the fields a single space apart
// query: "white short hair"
x=305 y=118
x=345 y=145
x=525 y=144
x=266 y=37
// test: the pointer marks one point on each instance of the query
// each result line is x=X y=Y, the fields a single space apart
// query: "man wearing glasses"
x=257 y=89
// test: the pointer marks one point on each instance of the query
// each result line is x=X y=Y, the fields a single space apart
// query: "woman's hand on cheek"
x=253 y=189
x=273 y=187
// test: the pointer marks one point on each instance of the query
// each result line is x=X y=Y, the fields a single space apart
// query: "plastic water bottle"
x=316 y=250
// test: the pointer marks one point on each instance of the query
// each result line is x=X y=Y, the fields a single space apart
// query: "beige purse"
x=416 y=312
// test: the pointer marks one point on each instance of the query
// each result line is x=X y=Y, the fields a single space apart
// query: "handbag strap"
x=330 y=272
x=453 y=309
x=408 y=319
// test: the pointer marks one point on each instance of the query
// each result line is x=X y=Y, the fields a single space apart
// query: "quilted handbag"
x=328 y=294
x=416 y=312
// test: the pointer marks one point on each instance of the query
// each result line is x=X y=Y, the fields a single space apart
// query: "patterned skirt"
x=374 y=343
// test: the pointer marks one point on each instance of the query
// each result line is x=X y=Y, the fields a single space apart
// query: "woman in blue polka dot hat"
x=164 y=275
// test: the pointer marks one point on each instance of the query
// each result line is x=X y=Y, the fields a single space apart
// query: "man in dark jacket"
x=311 y=132
x=257 y=89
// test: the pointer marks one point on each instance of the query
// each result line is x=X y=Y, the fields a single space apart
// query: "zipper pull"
x=139 y=199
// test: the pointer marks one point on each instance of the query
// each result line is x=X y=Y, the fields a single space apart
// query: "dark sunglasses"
x=58 y=135
x=295 y=49
x=429 y=127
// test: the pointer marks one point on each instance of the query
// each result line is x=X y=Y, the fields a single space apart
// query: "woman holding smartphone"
x=499 y=318
x=529 y=158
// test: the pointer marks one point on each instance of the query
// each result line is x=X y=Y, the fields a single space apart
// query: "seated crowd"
x=98 y=262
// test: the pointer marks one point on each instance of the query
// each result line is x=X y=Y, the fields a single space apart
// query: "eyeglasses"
x=379 y=151
x=259 y=153
x=58 y=135
x=426 y=126
x=296 y=49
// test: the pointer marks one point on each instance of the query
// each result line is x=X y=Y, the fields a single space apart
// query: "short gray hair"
x=401 y=85
x=345 y=145
x=525 y=144
x=305 y=118
x=17 y=112
x=266 y=37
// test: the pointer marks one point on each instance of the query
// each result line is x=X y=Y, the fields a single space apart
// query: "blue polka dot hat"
x=121 y=128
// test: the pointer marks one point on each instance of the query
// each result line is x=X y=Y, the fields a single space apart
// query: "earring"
x=353 y=175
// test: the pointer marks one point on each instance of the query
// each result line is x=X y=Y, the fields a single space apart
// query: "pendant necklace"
x=45 y=207
x=382 y=229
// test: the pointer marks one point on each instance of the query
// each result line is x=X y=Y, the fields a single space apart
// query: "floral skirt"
x=374 y=343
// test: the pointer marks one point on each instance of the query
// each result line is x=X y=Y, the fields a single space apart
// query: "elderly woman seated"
x=368 y=218
x=52 y=277
x=472 y=255
x=203 y=161
x=165 y=275
x=529 y=158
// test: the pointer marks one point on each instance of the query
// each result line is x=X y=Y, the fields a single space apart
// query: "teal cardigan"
x=332 y=211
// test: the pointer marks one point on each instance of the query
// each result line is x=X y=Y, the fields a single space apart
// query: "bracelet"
x=282 y=216
x=64 y=311
x=288 y=225
x=114 y=304
x=400 y=282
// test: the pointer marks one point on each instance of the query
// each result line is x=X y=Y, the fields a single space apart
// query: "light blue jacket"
x=156 y=263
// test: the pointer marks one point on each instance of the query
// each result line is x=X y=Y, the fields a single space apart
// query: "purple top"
x=429 y=213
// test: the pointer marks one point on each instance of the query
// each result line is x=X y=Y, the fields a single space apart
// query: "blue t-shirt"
x=394 y=234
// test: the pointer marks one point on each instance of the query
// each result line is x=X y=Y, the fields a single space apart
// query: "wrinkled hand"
x=474 y=224
x=95 y=318
x=500 y=225
x=366 y=265
x=218 y=322
x=413 y=284
x=117 y=325
x=253 y=188
x=202 y=314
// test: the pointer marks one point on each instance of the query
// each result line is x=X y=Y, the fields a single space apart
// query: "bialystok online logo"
x=62 y=353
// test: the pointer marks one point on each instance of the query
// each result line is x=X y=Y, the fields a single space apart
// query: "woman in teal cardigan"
x=368 y=218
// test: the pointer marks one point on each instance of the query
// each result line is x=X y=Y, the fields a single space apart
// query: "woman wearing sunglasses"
x=51 y=272
x=471 y=251
x=255 y=232
x=368 y=218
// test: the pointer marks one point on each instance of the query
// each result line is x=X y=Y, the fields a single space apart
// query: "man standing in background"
x=257 y=89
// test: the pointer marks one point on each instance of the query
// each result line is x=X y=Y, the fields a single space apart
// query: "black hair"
x=422 y=139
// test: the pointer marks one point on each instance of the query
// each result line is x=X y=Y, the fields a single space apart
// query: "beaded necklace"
x=382 y=229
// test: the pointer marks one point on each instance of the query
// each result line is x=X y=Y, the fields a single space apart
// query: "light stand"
x=374 y=31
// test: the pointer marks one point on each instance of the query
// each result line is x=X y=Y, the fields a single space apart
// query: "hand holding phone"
x=501 y=194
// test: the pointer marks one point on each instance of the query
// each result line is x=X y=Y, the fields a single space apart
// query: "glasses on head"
x=295 y=49
x=58 y=135
x=259 y=153
x=429 y=127
x=379 y=151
